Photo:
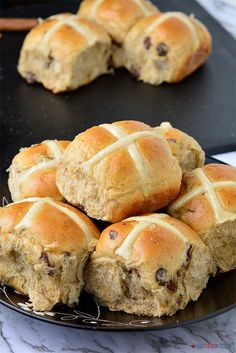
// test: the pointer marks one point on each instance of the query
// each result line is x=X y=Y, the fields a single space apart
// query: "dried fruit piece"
x=135 y=72
x=147 y=43
x=113 y=234
x=162 y=49
x=161 y=276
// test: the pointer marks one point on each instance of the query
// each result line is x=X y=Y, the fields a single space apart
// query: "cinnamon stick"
x=17 y=24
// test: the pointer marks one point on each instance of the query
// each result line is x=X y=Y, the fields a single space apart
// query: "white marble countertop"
x=21 y=334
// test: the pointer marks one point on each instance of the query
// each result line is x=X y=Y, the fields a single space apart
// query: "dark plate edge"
x=127 y=329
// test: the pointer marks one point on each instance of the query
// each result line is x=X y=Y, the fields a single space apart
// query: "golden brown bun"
x=33 y=171
x=44 y=245
x=166 y=47
x=64 y=52
x=116 y=170
x=151 y=264
x=185 y=148
x=116 y=16
x=207 y=202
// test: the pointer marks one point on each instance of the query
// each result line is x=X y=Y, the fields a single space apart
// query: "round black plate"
x=218 y=297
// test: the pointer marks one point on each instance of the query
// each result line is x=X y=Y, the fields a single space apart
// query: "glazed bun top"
x=49 y=151
x=33 y=170
x=151 y=241
x=126 y=168
x=185 y=148
x=174 y=37
x=66 y=35
x=53 y=225
x=116 y=16
x=207 y=196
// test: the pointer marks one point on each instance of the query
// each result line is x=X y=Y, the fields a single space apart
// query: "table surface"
x=20 y=334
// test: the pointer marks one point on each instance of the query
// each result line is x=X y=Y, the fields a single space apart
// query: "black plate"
x=218 y=297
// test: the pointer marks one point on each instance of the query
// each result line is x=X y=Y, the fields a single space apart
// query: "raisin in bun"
x=117 y=17
x=207 y=203
x=44 y=245
x=117 y=170
x=166 y=47
x=185 y=148
x=33 y=171
x=64 y=52
x=150 y=265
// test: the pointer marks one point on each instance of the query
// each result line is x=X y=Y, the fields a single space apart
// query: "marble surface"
x=20 y=334
x=224 y=11
x=229 y=157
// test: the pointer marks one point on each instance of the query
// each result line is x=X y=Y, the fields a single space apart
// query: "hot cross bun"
x=33 y=171
x=151 y=265
x=207 y=203
x=64 y=52
x=117 y=170
x=185 y=148
x=44 y=245
x=166 y=47
x=117 y=17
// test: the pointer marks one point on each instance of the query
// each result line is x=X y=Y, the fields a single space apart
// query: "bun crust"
x=33 y=171
x=185 y=148
x=64 y=52
x=152 y=260
x=45 y=264
x=117 y=170
x=207 y=202
x=116 y=16
x=166 y=47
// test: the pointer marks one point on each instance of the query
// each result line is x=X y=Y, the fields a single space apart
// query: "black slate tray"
x=203 y=105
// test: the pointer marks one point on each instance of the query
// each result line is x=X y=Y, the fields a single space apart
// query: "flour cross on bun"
x=184 y=147
x=126 y=140
x=207 y=203
x=151 y=264
x=180 y=16
x=36 y=207
x=143 y=222
x=64 y=52
x=118 y=170
x=143 y=6
x=44 y=164
x=140 y=3
x=166 y=47
x=44 y=245
x=71 y=21
x=208 y=188
x=117 y=17
x=33 y=170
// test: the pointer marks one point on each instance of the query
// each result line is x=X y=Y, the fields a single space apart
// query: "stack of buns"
x=145 y=262
x=67 y=51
